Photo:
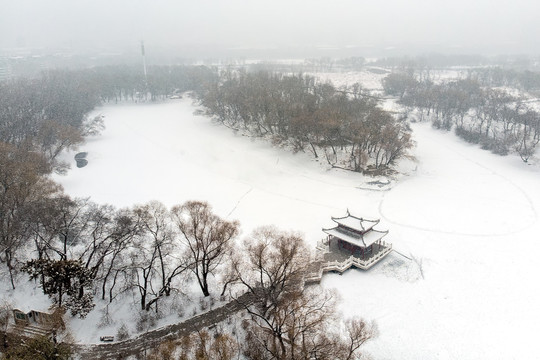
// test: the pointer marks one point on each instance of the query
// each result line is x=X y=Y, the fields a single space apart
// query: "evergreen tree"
x=61 y=278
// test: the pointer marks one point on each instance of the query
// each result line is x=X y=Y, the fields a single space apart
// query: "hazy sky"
x=500 y=25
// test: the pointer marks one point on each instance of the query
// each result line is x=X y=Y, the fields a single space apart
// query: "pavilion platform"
x=331 y=257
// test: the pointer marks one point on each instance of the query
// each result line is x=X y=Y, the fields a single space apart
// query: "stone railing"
x=322 y=247
x=342 y=266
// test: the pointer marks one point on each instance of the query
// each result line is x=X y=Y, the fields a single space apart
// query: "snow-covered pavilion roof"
x=356 y=239
x=26 y=308
x=355 y=223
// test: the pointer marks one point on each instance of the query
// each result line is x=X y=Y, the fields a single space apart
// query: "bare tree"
x=356 y=334
x=109 y=233
x=208 y=238
x=288 y=321
x=529 y=135
x=204 y=346
x=115 y=263
x=142 y=269
x=157 y=260
x=21 y=183
x=60 y=224
x=398 y=84
x=274 y=264
x=53 y=137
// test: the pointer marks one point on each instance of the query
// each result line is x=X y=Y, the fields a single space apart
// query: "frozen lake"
x=468 y=217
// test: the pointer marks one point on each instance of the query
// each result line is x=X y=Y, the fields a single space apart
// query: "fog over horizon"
x=247 y=26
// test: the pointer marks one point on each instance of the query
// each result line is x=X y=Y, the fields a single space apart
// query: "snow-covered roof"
x=26 y=308
x=356 y=223
x=356 y=239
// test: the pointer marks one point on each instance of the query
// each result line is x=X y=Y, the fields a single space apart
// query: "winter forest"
x=171 y=199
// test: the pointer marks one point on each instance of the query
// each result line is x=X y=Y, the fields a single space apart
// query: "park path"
x=151 y=339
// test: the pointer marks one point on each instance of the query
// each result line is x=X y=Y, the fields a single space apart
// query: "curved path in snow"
x=151 y=339
x=451 y=201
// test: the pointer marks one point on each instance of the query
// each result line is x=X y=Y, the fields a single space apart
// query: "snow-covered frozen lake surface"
x=468 y=217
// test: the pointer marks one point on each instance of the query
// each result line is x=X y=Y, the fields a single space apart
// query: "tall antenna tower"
x=144 y=64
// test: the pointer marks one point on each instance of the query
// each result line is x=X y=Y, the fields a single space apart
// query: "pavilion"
x=353 y=242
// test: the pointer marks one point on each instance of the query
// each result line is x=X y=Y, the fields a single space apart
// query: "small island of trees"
x=344 y=126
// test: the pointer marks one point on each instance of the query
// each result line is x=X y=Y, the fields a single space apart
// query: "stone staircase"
x=325 y=262
x=30 y=330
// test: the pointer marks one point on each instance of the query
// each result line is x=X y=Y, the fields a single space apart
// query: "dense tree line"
x=49 y=113
x=127 y=83
x=497 y=76
x=80 y=249
x=492 y=117
x=446 y=61
x=343 y=125
x=46 y=115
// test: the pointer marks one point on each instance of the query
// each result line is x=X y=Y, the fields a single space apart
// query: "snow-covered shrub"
x=122 y=333
x=146 y=321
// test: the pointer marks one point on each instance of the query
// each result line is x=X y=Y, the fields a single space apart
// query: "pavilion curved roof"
x=356 y=230
x=360 y=240
x=355 y=223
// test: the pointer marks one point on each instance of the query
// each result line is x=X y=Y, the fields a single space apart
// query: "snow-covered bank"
x=469 y=217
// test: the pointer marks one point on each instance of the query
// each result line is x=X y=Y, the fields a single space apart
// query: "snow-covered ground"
x=369 y=80
x=469 y=218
